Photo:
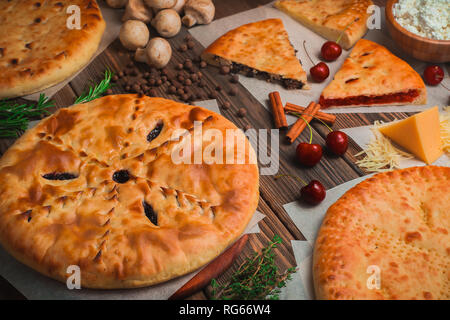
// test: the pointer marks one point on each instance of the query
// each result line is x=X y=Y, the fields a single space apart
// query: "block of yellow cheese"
x=418 y=134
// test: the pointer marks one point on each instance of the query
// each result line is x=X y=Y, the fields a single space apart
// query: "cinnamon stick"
x=299 y=125
x=325 y=117
x=277 y=110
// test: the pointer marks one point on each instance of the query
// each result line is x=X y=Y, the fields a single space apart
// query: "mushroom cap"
x=117 y=4
x=134 y=34
x=167 y=22
x=159 y=52
x=136 y=10
x=160 y=4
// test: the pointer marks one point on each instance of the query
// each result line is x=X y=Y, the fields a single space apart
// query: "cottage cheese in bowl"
x=426 y=18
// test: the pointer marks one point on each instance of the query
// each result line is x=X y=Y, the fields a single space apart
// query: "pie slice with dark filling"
x=260 y=49
x=373 y=76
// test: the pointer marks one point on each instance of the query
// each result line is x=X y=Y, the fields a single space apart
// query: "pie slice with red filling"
x=373 y=76
x=260 y=49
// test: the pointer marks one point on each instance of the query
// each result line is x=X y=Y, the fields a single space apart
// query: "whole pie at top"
x=260 y=49
x=37 y=47
x=387 y=238
x=331 y=18
x=372 y=75
x=95 y=185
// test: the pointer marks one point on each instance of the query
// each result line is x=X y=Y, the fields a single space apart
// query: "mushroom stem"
x=198 y=12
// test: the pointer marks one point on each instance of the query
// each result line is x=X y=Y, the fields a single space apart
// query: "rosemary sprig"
x=97 y=90
x=257 y=278
x=14 y=117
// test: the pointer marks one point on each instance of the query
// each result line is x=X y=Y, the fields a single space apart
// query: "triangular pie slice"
x=330 y=18
x=419 y=134
x=261 y=49
x=373 y=76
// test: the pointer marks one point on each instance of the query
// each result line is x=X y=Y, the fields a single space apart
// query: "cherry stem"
x=310 y=129
x=445 y=87
x=343 y=31
x=304 y=47
x=297 y=114
x=294 y=177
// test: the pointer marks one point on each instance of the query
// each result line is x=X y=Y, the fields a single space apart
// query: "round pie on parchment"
x=94 y=185
x=38 y=50
x=395 y=225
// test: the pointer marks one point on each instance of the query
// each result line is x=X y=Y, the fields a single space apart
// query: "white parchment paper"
x=363 y=135
x=35 y=286
x=308 y=220
x=260 y=89
x=113 y=21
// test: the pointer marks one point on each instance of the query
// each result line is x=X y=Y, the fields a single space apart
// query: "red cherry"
x=309 y=154
x=313 y=193
x=319 y=72
x=433 y=75
x=337 y=142
x=330 y=51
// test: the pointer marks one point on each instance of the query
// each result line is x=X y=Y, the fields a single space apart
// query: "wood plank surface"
x=331 y=171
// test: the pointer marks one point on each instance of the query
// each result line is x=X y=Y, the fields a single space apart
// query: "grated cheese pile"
x=381 y=155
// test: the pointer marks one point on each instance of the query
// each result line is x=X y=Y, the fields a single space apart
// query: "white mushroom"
x=134 y=34
x=178 y=7
x=117 y=4
x=198 y=12
x=159 y=52
x=167 y=22
x=136 y=10
x=160 y=4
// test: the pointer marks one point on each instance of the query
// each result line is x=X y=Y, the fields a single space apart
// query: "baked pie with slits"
x=94 y=185
x=40 y=44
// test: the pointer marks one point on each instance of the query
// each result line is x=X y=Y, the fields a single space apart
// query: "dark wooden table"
x=331 y=171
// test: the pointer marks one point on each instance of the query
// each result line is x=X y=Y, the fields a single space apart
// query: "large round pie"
x=39 y=45
x=393 y=226
x=95 y=185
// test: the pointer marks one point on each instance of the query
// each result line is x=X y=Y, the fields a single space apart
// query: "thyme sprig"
x=257 y=278
x=14 y=117
x=97 y=90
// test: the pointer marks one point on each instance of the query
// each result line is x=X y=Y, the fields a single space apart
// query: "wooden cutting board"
x=212 y=270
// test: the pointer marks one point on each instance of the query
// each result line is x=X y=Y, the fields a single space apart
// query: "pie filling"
x=407 y=96
x=269 y=77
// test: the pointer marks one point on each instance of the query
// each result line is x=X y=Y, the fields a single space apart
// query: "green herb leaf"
x=97 y=90
x=257 y=278
x=14 y=118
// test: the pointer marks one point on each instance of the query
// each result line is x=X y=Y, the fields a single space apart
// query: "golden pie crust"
x=38 y=50
x=262 y=45
x=398 y=221
x=372 y=71
x=99 y=224
x=329 y=18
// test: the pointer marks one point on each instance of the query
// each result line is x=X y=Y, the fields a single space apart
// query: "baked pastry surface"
x=398 y=222
x=95 y=185
x=372 y=75
x=38 y=50
x=262 y=49
x=331 y=18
